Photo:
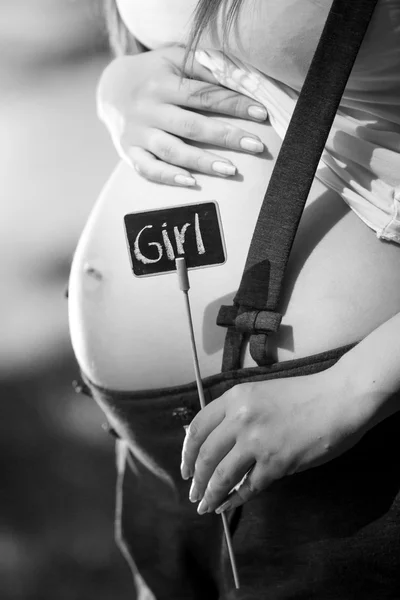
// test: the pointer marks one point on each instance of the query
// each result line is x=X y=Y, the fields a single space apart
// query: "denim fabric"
x=332 y=532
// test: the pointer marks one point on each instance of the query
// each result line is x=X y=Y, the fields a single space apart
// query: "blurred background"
x=57 y=463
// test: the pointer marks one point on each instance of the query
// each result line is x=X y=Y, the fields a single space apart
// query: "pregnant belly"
x=131 y=333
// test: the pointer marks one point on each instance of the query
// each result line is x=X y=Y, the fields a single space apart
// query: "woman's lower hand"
x=149 y=104
x=257 y=433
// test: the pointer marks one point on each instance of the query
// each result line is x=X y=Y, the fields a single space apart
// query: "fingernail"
x=200 y=55
x=223 y=168
x=185 y=472
x=225 y=506
x=202 y=507
x=194 y=495
x=257 y=112
x=251 y=144
x=184 y=180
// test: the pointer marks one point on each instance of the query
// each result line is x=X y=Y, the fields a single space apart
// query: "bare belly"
x=341 y=283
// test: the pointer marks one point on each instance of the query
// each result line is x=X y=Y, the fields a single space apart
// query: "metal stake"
x=184 y=285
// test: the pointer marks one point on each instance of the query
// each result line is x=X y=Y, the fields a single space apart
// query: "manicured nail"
x=257 y=112
x=194 y=495
x=251 y=144
x=223 y=168
x=250 y=83
x=184 y=180
x=200 y=55
x=225 y=506
x=185 y=472
x=202 y=507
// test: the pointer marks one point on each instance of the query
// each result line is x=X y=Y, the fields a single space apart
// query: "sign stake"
x=184 y=286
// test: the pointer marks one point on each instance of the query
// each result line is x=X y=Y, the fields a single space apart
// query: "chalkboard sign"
x=157 y=237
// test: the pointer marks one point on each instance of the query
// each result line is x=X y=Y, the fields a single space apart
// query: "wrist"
x=371 y=396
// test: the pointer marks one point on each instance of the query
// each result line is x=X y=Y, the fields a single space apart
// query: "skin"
x=271 y=429
x=284 y=426
x=148 y=101
x=255 y=433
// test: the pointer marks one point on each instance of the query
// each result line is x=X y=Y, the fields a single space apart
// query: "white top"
x=268 y=61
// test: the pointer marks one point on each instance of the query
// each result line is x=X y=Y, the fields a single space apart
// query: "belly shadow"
x=317 y=220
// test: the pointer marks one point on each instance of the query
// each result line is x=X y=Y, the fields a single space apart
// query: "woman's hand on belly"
x=269 y=430
x=148 y=103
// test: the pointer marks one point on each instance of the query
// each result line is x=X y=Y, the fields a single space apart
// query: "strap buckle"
x=250 y=321
x=256 y=323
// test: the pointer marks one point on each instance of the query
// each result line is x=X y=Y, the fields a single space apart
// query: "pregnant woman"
x=314 y=455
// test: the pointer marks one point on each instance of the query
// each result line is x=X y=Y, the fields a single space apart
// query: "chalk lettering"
x=167 y=243
x=199 y=239
x=157 y=237
x=180 y=237
x=138 y=254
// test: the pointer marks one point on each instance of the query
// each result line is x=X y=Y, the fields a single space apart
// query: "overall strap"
x=256 y=302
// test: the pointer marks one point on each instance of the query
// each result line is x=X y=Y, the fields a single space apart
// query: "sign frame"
x=173 y=268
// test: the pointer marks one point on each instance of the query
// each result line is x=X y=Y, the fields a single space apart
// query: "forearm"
x=372 y=370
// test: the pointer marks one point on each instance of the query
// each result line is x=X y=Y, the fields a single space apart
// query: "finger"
x=220 y=441
x=229 y=472
x=193 y=69
x=256 y=480
x=231 y=72
x=209 y=97
x=155 y=170
x=174 y=151
x=198 y=431
x=200 y=128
